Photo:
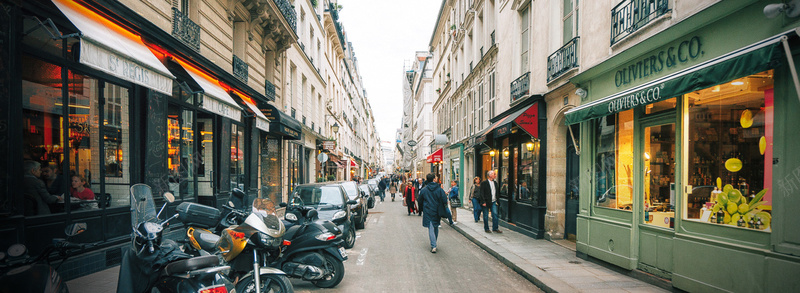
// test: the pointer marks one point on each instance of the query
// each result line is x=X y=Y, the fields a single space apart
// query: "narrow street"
x=393 y=254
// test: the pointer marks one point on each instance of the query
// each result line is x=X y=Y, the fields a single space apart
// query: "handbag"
x=455 y=202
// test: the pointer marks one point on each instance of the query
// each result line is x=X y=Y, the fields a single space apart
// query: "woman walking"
x=409 y=195
x=452 y=196
x=474 y=195
x=392 y=188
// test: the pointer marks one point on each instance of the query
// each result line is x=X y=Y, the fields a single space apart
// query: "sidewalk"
x=550 y=266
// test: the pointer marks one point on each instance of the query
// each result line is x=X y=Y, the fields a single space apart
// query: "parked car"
x=331 y=202
x=370 y=195
x=359 y=209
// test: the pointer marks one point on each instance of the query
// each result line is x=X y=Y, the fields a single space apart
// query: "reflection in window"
x=84 y=131
x=237 y=157
x=614 y=161
x=529 y=172
x=730 y=152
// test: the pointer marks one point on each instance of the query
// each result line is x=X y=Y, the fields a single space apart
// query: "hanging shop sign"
x=329 y=145
x=529 y=120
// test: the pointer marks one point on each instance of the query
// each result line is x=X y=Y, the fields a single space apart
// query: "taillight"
x=236 y=235
x=217 y=289
x=327 y=236
x=287 y=243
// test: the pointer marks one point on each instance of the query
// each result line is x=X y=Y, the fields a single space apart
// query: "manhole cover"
x=575 y=262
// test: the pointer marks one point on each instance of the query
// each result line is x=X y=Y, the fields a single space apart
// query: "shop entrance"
x=573 y=174
x=206 y=180
x=657 y=192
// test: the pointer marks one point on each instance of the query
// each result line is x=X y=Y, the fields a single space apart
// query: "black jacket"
x=486 y=192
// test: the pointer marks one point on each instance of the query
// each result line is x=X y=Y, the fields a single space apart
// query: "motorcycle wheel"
x=269 y=284
x=335 y=277
x=350 y=239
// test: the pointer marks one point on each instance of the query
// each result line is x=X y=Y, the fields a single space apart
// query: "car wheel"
x=360 y=224
x=350 y=238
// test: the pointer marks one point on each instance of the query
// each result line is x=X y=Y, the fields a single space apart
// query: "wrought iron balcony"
x=288 y=13
x=630 y=15
x=520 y=87
x=564 y=59
x=185 y=29
x=240 y=68
x=269 y=90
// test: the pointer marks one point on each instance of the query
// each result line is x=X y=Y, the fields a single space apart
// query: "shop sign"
x=220 y=108
x=288 y=131
x=503 y=130
x=529 y=120
x=123 y=67
x=646 y=96
x=262 y=124
x=683 y=52
x=329 y=145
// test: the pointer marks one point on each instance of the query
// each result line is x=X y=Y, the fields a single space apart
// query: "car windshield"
x=318 y=196
x=364 y=188
x=351 y=189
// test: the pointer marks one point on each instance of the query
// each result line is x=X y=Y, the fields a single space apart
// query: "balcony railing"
x=562 y=60
x=185 y=29
x=520 y=87
x=269 y=90
x=240 y=68
x=288 y=13
x=630 y=15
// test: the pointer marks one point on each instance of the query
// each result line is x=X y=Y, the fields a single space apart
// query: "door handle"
x=211 y=179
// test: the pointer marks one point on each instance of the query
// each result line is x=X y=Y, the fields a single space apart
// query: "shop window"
x=180 y=152
x=730 y=153
x=43 y=133
x=503 y=176
x=659 y=175
x=237 y=157
x=528 y=189
x=614 y=161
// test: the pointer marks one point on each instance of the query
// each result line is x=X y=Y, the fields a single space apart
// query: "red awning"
x=353 y=164
x=436 y=156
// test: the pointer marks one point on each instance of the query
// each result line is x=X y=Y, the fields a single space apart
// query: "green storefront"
x=690 y=161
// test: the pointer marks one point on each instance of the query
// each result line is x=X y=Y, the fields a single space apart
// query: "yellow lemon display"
x=719 y=183
x=747 y=119
x=762 y=145
x=733 y=165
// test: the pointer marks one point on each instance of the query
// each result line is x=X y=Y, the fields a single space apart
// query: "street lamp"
x=335 y=127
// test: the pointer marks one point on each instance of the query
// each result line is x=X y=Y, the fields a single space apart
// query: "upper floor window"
x=524 y=39
x=570 y=20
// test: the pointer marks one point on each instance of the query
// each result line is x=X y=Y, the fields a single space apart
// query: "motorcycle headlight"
x=339 y=215
x=325 y=236
x=269 y=241
x=291 y=217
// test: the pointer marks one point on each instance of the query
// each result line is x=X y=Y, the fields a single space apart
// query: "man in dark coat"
x=435 y=209
x=36 y=195
x=382 y=187
x=419 y=185
x=488 y=201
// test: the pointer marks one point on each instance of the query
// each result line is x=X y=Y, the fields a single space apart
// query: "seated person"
x=36 y=195
x=79 y=189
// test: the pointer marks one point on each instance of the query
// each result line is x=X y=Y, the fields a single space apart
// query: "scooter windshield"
x=142 y=208
x=263 y=218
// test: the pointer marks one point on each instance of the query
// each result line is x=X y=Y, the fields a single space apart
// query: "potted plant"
x=331 y=177
x=438 y=90
x=320 y=179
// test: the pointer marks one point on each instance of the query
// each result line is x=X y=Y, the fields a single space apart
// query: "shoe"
x=453 y=223
x=433 y=250
x=476 y=221
x=498 y=231
x=487 y=231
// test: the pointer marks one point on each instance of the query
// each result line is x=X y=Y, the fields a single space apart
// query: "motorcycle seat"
x=206 y=240
x=191 y=264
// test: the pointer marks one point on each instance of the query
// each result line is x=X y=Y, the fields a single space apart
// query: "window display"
x=659 y=175
x=730 y=153
x=614 y=170
x=529 y=172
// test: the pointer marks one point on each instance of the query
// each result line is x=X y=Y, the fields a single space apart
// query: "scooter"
x=154 y=264
x=245 y=241
x=21 y=273
x=314 y=251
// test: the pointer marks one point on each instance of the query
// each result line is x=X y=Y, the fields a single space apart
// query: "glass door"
x=206 y=183
x=658 y=181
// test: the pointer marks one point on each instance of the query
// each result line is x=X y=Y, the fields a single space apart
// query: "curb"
x=533 y=279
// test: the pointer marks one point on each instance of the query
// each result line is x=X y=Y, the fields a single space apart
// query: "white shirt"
x=491 y=185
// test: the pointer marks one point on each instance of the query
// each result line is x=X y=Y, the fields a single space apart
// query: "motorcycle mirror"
x=75 y=229
x=352 y=201
x=168 y=196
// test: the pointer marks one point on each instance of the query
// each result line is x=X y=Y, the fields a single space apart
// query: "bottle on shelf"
x=720 y=216
x=743 y=187
x=751 y=223
x=714 y=217
x=740 y=222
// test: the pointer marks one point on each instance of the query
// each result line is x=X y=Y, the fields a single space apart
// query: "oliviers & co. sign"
x=685 y=51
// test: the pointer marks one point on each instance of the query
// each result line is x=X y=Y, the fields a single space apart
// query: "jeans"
x=433 y=233
x=495 y=218
x=382 y=193
x=476 y=209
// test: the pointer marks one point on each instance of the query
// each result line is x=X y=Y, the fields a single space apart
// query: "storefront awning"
x=107 y=47
x=261 y=121
x=435 y=157
x=758 y=57
x=526 y=118
x=353 y=164
x=281 y=123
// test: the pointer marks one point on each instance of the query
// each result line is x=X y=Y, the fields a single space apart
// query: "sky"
x=385 y=34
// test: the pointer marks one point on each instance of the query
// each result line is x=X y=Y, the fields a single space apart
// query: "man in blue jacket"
x=435 y=208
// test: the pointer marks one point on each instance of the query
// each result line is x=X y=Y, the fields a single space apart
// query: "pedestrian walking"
x=382 y=187
x=420 y=199
x=474 y=198
x=392 y=188
x=409 y=195
x=435 y=209
x=489 y=202
x=455 y=202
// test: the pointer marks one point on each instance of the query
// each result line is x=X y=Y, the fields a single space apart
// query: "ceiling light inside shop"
x=737 y=83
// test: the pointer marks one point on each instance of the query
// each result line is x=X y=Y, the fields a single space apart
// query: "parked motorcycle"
x=21 y=273
x=155 y=264
x=314 y=251
x=245 y=241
